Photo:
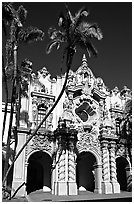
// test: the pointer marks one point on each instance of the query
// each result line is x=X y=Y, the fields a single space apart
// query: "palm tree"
x=74 y=32
x=8 y=13
x=18 y=35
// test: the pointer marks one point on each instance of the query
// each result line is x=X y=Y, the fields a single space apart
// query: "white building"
x=77 y=148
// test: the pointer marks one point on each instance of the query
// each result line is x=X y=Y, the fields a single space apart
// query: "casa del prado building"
x=77 y=147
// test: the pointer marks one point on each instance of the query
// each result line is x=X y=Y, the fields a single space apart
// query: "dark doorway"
x=121 y=164
x=38 y=171
x=85 y=171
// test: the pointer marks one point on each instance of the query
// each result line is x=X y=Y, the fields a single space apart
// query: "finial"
x=84 y=59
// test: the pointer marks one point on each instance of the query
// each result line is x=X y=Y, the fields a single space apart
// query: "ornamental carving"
x=121 y=150
x=41 y=142
x=67 y=109
x=44 y=72
x=87 y=140
x=71 y=78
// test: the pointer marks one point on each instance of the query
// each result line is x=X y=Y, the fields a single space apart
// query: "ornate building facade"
x=77 y=148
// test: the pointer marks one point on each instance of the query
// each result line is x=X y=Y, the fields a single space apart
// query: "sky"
x=114 y=61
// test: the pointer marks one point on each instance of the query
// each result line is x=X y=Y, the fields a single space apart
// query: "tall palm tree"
x=74 y=32
x=8 y=14
x=18 y=35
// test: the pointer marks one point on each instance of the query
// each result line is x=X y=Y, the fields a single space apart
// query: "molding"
x=43 y=95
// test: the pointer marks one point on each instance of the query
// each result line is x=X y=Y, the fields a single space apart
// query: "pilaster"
x=98 y=178
x=106 y=185
x=113 y=174
x=19 y=174
x=65 y=183
x=129 y=178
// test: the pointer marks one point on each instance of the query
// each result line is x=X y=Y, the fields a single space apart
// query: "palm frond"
x=26 y=63
x=52 y=44
x=9 y=70
x=91 y=48
x=7 y=12
x=69 y=17
x=79 y=15
x=62 y=21
x=75 y=31
x=52 y=33
x=56 y=35
x=30 y=34
x=22 y=13
x=90 y=30
x=7 y=15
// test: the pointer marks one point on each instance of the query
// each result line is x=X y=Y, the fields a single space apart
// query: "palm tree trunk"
x=6 y=96
x=18 y=106
x=9 y=133
x=70 y=53
x=13 y=97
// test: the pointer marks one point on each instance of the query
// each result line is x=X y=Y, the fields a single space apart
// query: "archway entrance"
x=85 y=174
x=39 y=172
x=121 y=164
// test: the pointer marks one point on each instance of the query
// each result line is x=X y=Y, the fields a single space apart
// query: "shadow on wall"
x=24 y=117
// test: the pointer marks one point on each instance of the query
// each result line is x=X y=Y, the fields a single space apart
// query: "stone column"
x=61 y=177
x=19 y=166
x=66 y=137
x=26 y=166
x=106 y=185
x=62 y=183
x=98 y=178
x=55 y=174
x=113 y=174
x=72 y=186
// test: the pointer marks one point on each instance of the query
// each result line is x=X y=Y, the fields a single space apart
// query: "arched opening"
x=121 y=164
x=85 y=174
x=39 y=172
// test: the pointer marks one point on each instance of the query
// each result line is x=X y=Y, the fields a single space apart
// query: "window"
x=42 y=110
x=84 y=111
